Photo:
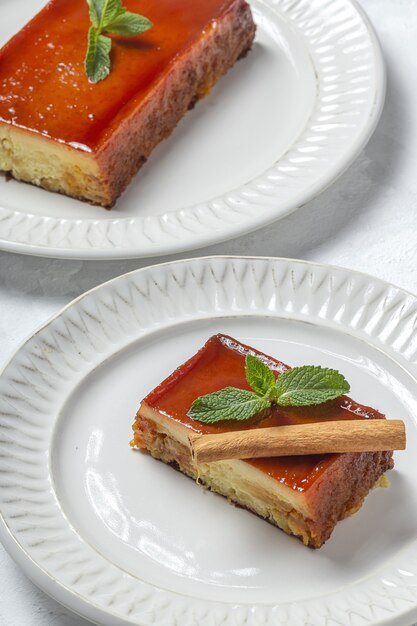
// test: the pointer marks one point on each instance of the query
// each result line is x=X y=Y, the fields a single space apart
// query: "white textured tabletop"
x=367 y=221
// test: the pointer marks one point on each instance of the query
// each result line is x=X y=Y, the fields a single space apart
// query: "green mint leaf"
x=308 y=385
x=97 y=61
x=108 y=16
x=104 y=11
x=258 y=375
x=228 y=404
x=129 y=24
x=95 y=7
x=110 y=10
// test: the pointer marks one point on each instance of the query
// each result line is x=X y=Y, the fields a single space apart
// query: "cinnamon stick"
x=319 y=438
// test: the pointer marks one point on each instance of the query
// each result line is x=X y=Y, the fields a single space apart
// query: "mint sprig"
x=300 y=386
x=108 y=16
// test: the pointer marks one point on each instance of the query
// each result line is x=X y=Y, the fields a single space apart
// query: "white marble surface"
x=366 y=221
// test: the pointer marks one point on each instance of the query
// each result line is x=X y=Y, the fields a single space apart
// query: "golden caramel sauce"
x=221 y=363
x=43 y=85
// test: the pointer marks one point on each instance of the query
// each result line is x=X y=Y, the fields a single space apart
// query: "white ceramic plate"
x=123 y=539
x=275 y=132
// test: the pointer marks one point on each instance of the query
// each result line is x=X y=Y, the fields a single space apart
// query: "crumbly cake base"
x=44 y=163
x=318 y=512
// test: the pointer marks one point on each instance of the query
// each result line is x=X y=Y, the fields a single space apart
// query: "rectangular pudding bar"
x=306 y=495
x=65 y=134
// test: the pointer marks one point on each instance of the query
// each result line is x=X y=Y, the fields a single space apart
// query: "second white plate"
x=277 y=130
x=123 y=539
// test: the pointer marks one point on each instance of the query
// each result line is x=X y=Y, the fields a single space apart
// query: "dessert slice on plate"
x=304 y=495
x=63 y=133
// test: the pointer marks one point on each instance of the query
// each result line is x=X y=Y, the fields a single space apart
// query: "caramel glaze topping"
x=221 y=363
x=43 y=85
